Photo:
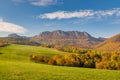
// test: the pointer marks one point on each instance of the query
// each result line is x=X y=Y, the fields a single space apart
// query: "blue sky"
x=100 y=18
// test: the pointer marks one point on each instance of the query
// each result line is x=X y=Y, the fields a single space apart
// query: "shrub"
x=40 y=59
x=46 y=59
x=33 y=57
x=118 y=66
x=55 y=57
x=89 y=64
x=51 y=62
x=112 y=65
x=1 y=44
x=100 y=65
x=60 y=61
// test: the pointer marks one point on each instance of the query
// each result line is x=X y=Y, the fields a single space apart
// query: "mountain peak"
x=13 y=35
x=65 y=34
x=59 y=37
x=16 y=36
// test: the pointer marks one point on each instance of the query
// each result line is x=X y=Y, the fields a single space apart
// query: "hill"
x=23 y=52
x=61 y=38
x=15 y=65
x=110 y=44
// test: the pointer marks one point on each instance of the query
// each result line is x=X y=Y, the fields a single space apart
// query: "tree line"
x=88 y=59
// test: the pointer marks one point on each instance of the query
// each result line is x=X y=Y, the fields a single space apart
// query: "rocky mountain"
x=61 y=38
x=16 y=36
x=112 y=43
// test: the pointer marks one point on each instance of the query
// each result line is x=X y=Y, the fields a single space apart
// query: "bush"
x=33 y=57
x=55 y=57
x=51 y=62
x=39 y=58
x=112 y=65
x=60 y=61
x=89 y=64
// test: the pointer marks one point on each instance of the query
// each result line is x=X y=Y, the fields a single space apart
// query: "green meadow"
x=16 y=65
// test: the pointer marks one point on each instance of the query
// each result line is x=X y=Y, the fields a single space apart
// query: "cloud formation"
x=80 y=14
x=10 y=27
x=38 y=2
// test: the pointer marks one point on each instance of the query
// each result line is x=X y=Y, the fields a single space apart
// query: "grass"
x=22 y=52
x=15 y=65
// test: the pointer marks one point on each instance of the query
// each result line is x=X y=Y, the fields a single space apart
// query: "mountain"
x=60 y=38
x=112 y=43
x=17 y=39
x=16 y=36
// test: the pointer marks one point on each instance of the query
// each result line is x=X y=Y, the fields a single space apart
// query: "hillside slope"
x=23 y=52
x=112 y=43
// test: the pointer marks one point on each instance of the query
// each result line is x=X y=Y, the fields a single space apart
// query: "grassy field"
x=15 y=65
x=22 y=52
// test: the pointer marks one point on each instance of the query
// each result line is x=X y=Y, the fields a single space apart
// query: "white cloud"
x=44 y=2
x=10 y=27
x=80 y=14
x=64 y=14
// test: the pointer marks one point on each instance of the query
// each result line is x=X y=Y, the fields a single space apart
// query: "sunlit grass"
x=15 y=65
x=22 y=52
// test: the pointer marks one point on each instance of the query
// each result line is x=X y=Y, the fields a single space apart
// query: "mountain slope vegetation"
x=112 y=43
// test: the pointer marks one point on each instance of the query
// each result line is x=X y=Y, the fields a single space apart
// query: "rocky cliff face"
x=66 y=38
x=58 y=34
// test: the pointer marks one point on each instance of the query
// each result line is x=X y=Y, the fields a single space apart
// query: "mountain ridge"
x=59 y=38
x=66 y=38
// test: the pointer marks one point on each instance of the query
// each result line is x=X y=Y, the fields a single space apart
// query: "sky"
x=100 y=18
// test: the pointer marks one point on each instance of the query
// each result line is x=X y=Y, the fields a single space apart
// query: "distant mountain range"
x=66 y=38
x=59 y=38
